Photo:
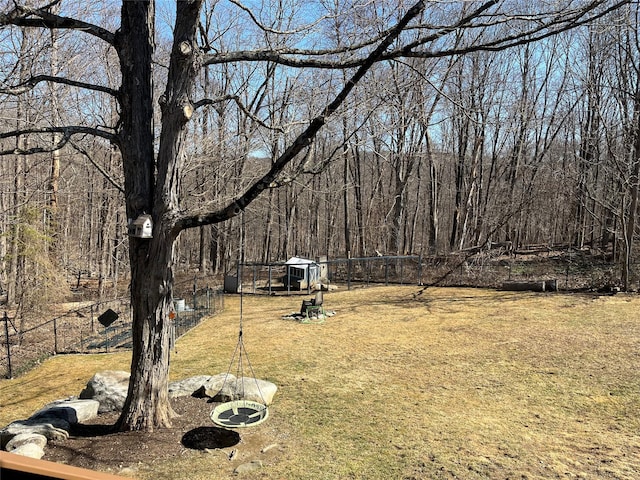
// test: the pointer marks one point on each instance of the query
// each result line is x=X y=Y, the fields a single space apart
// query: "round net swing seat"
x=239 y=413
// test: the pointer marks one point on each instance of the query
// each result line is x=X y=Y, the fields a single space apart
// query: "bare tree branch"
x=543 y=27
x=265 y=28
x=33 y=81
x=304 y=139
x=276 y=54
x=241 y=106
x=98 y=167
x=22 y=16
x=559 y=23
x=67 y=133
x=282 y=56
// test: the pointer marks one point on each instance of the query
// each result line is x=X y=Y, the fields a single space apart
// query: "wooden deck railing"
x=14 y=467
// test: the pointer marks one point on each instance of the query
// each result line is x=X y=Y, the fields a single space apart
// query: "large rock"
x=202 y=386
x=218 y=386
x=25 y=438
x=71 y=410
x=59 y=431
x=188 y=386
x=109 y=388
x=51 y=422
x=247 y=388
x=31 y=450
x=258 y=390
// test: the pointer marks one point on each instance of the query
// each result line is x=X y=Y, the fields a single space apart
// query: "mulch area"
x=96 y=446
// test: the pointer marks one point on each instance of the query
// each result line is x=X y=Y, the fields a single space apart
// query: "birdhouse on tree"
x=141 y=227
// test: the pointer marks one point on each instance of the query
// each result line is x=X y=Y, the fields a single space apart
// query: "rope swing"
x=240 y=412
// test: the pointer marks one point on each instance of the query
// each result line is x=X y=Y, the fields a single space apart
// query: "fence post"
x=6 y=333
x=255 y=278
x=195 y=289
x=386 y=271
x=55 y=336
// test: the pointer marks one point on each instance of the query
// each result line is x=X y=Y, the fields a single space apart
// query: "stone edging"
x=53 y=422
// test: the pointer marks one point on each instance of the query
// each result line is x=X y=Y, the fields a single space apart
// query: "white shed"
x=301 y=273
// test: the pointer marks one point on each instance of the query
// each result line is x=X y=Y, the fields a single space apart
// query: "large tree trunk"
x=53 y=227
x=147 y=405
x=434 y=201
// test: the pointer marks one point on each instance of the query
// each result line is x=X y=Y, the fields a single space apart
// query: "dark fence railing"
x=270 y=277
x=87 y=329
x=80 y=330
x=577 y=271
x=569 y=270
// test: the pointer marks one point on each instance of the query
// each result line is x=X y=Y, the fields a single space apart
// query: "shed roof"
x=299 y=261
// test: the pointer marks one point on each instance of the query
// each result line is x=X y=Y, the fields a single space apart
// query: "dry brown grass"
x=455 y=383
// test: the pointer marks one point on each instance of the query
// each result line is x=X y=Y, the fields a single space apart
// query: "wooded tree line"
x=533 y=144
x=472 y=122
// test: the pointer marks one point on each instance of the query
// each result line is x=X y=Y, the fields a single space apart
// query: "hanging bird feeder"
x=141 y=227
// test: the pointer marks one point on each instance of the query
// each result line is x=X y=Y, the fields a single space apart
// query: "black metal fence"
x=23 y=346
x=81 y=331
x=579 y=270
x=269 y=277
x=398 y=270
x=570 y=270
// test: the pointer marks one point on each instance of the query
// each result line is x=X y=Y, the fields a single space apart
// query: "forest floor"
x=403 y=382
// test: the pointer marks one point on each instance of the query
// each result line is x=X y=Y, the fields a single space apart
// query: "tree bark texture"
x=147 y=405
x=152 y=260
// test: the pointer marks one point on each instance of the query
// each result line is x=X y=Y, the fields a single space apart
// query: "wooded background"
x=533 y=144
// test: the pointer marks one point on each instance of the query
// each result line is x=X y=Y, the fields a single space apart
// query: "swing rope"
x=240 y=412
x=240 y=351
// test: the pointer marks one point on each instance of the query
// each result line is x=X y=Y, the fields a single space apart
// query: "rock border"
x=105 y=392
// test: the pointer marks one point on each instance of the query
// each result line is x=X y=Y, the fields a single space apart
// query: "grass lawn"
x=453 y=383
